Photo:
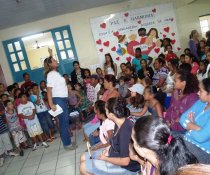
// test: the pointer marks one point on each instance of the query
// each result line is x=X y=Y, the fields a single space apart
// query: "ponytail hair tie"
x=169 y=139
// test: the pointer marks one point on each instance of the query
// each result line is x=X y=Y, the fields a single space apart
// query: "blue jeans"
x=63 y=120
x=45 y=121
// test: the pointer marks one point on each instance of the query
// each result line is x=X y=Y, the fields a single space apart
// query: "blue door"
x=19 y=62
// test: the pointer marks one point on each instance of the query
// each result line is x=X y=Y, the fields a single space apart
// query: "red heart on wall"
x=157 y=50
x=106 y=43
x=178 y=48
x=154 y=10
x=164 y=35
x=172 y=19
x=166 y=29
x=103 y=25
x=173 y=41
x=118 y=58
x=116 y=33
x=126 y=14
x=113 y=48
x=101 y=50
x=98 y=41
x=128 y=59
x=172 y=34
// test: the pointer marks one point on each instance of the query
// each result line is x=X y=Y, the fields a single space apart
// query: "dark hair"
x=15 y=84
x=138 y=101
x=34 y=85
x=192 y=33
x=144 y=61
x=75 y=62
x=117 y=106
x=206 y=84
x=187 y=49
x=191 y=56
x=154 y=30
x=111 y=78
x=111 y=60
x=208 y=34
x=185 y=67
x=100 y=106
x=205 y=62
x=10 y=88
x=182 y=55
x=158 y=94
x=169 y=45
x=15 y=91
x=43 y=81
x=141 y=29
x=134 y=76
x=161 y=56
x=98 y=68
x=24 y=74
x=65 y=75
x=152 y=133
x=88 y=70
x=6 y=102
x=167 y=39
x=174 y=63
x=138 y=49
x=191 y=82
x=122 y=64
x=161 y=61
x=4 y=95
x=22 y=94
x=79 y=86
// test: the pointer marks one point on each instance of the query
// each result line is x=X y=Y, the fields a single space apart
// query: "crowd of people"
x=152 y=116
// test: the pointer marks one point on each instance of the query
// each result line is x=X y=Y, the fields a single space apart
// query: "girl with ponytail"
x=155 y=145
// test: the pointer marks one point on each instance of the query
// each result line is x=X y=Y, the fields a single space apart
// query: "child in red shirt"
x=170 y=55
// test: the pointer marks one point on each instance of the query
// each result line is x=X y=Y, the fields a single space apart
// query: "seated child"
x=28 y=112
x=5 y=143
x=123 y=87
x=106 y=129
x=42 y=113
x=14 y=126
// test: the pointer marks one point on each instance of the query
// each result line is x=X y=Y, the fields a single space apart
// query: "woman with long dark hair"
x=145 y=70
x=109 y=66
x=160 y=153
x=196 y=120
x=190 y=59
x=183 y=97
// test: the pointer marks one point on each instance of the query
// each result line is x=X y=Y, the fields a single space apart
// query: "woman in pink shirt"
x=189 y=58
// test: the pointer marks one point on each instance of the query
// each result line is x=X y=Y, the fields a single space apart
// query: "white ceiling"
x=16 y=12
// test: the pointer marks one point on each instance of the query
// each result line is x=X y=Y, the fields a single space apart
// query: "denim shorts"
x=100 y=167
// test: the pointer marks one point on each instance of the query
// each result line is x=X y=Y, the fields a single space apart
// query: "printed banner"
x=117 y=34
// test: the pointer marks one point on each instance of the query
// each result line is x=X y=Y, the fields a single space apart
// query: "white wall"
x=187 y=19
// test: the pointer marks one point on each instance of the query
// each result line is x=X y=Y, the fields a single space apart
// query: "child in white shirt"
x=28 y=112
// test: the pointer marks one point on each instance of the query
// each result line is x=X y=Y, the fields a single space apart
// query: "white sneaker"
x=13 y=154
x=1 y=161
x=45 y=144
x=34 y=147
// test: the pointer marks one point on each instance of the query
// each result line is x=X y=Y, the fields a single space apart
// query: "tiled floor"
x=50 y=161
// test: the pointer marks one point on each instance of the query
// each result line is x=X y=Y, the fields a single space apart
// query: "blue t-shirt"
x=3 y=126
x=137 y=62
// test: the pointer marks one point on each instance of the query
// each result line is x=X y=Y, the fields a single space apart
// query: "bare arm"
x=79 y=97
x=49 y=96
x=159 y=110
x=139 y=114
x=192 y=126
x=110 y=132
x=115 y=70
x=117 y=160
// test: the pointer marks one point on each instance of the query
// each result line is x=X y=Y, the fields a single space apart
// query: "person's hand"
x=103 y=155
x=94 y=148
x=53 y=107
x=191 y=116
x=50 y=51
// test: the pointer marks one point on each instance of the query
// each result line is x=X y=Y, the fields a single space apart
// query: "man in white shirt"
x=96 y=85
